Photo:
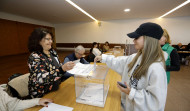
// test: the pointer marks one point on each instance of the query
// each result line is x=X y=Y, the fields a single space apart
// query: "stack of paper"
x=90 y=93
x=82 y=69
x=56 y=107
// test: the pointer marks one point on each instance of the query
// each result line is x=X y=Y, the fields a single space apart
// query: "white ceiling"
x=59 y=11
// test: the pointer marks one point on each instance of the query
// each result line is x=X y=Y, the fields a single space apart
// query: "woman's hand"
x=44 y=101
x=97 y=58
x=68 y=66
x=125 y=90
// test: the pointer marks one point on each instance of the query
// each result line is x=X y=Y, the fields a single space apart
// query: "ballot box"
x=93 y=89
x=117 y=50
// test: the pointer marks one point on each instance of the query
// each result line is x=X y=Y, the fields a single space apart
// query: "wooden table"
x=65 y=95
x=184 y=52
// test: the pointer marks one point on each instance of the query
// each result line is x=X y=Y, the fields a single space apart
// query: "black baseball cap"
x=148 y=29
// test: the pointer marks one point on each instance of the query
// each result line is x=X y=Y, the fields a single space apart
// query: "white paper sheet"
x=82 y=69
x=56 y=107
x=93 y=92
x=76 y=61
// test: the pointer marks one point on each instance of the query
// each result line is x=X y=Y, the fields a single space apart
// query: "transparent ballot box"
x=93 y=89
x=117 y=50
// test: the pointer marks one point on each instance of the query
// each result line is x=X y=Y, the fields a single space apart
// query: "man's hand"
x=68 y=66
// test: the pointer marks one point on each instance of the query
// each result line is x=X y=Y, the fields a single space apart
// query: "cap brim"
x=133 y=35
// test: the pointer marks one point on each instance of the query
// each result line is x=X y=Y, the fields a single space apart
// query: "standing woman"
x=172 y=62
x=143 y=72
x=44 y=65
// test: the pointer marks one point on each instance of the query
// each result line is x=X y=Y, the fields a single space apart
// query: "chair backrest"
x=20 y=85
x=91 y=57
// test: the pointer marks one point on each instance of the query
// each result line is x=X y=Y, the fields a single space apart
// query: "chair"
x=90 y=57
x=20 y=85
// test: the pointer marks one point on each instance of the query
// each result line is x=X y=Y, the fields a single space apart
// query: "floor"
x=178 y=98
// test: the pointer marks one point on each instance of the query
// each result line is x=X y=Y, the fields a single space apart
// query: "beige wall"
x=9 y=16
x=115 y=31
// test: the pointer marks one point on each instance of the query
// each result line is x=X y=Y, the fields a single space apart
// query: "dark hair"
x=94 y=43
x=35 y=37
x=107 y=42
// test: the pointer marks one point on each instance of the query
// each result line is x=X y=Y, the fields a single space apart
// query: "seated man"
x=77 y=55
x=180 y=47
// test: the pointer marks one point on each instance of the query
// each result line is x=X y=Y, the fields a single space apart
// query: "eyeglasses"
x=80 y=54
x=48 y=39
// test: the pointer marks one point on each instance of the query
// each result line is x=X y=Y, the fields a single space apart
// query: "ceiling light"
x=183 y=4
x=126 y=10
x=76 y=6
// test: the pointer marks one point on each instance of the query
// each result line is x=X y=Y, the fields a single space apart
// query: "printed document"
x=82 y=69
x=56 y=107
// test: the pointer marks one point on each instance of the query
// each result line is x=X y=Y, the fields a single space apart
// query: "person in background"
x=143 y=72
x=8 y=103
x=77 y=55
x=188 y=47
x=100 y=47
x=182 y=56
x=180 y=47
x=106 y=46
x=44 y=65
x=95 y=49
x=187 y=59
x=172 y=62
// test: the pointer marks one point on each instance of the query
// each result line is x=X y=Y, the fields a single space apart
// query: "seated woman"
x=44 y=65
x=106 y=46
x=95 y=49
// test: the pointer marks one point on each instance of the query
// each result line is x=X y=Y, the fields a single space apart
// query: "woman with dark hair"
x=106 y=46
x=95 y=49
x=44 y=65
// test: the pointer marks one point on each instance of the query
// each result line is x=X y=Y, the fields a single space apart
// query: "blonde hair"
x=165 y=34
x=151 y=53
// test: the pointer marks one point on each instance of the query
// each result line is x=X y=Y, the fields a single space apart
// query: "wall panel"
x=14 y=36
x=8 y=38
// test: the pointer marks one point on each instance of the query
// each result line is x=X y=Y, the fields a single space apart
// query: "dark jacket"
x=43 y=73
x=72 y=57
